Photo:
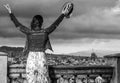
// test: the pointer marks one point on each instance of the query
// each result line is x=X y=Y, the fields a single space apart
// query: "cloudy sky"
x=95 y=24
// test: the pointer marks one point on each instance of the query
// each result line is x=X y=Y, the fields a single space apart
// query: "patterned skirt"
x=37 y=68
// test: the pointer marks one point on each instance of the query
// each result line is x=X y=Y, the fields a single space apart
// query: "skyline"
x=94 y=24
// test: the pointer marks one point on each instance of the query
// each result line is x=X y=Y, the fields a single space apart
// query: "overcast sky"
x=95 y=24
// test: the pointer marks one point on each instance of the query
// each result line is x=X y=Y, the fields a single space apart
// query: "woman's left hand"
x=67 y=9
x=8 y=8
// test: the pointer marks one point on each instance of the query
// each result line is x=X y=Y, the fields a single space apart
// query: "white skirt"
x=37 y=68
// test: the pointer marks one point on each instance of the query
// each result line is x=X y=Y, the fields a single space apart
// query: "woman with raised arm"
x=37 y=42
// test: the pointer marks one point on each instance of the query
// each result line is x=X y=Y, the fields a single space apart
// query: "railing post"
x=116 y=75
x=3 y=67
x=118 y=69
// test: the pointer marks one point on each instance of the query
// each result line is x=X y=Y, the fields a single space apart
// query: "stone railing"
x=63 y=74
x=83 y=73
x=66 y=69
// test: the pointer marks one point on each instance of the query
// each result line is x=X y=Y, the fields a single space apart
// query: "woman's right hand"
x=7 y=6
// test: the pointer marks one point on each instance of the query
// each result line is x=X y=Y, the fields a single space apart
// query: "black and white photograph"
x=59 y=41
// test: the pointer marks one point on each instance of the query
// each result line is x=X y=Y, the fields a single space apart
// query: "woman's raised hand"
x=7 y=6
x=67 y=9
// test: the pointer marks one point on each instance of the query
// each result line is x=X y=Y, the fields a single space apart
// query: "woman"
x=37 y=42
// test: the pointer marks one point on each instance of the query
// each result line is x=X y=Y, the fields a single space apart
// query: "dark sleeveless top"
x=37 y=40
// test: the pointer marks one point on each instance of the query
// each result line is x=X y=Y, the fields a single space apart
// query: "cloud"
x=28 y=8
x=91 y=18
x=12 y=41
x=71 y=46
x=94 y=24
x=116 y=10
x=97 y=23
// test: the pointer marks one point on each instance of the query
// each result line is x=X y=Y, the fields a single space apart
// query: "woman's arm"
x=21 y=27
x=15 y=21
x=52 y=27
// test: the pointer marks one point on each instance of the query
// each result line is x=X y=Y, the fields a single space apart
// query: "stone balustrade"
x=65 y=74
x=67 y=69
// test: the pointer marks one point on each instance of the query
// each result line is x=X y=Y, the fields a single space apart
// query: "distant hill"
x=99 y=53
x=12 y=51
x=74 y=58
x=16 y=52
x=7 y=48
